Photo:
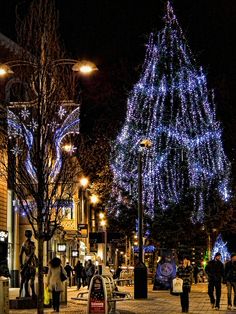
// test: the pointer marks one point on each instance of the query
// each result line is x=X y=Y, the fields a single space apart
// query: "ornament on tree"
x=171 y=106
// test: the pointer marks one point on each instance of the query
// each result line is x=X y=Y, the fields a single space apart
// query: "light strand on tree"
x=170 y=105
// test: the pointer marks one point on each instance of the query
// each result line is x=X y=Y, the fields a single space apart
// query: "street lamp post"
x=104 y=228
x=7 y=69
x=140 y=270
x=93 y=200
x=84 y=216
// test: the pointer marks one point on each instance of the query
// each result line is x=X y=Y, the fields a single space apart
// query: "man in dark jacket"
x=79 y=271
x=69 y=272
x=215 y=273
x=230 y=279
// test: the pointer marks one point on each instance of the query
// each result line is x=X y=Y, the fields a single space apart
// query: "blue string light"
x=171 y=106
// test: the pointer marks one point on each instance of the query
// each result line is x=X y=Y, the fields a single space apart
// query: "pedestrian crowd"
x=217 y=273
x=56 y=274
x=82 y=274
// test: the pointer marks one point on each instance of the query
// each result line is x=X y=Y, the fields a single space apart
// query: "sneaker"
x=229 y=307
x=213 y=305
x=217 y=308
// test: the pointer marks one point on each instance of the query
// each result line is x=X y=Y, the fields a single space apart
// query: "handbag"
x=63 y=277
x=177 y=286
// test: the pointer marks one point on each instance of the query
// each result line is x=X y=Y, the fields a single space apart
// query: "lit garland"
x=18 y=129
x=170 y=105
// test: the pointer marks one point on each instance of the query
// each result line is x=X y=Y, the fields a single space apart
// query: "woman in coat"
x=55 y=284
x=184 y=272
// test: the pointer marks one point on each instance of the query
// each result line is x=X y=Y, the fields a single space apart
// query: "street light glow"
x=84 y=182
x=103 y=223
x=101 y=215
x=5 y=70
x=94 y=199
x=69 y=148
x=84 y=67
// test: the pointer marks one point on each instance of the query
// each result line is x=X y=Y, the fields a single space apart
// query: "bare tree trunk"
x=40 y=277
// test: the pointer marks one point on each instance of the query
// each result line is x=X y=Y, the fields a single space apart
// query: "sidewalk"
x=158 y=302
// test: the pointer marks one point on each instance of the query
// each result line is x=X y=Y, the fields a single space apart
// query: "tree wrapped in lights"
x=171 y=106
x=221 y=247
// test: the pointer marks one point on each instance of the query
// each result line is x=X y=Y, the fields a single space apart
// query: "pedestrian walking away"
x=185 y=272
x=69 y=272
x=230 y=280
x=195 y=273
x=215 y=272
x=90 y=270
x=79 y=270
x=54 y=283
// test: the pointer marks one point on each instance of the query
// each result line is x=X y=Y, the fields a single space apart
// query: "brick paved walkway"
x=158 y=302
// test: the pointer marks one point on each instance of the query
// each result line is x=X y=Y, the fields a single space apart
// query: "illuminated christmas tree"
x=171 y=106
x=221 y=246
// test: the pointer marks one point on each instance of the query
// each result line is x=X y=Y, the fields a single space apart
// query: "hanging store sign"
x=74 y=253
x=82 y=230
x=61 y=247
x=3 y=236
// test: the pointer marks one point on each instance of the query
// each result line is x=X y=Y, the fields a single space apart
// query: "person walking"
x=90 y=270
x=230 y=280
x=69 y=272
x=215 y=273
x=78 y=269
x=55 y=284
x=185 y=272
x=195 y=273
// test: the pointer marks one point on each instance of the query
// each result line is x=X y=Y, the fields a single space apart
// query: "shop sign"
x=74 y=253
x=3 y=236
x=61 y=247
x=82 y=230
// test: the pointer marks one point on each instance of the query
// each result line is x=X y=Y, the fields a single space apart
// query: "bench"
x=112 y=295
x=82 y=296
x=124 y=282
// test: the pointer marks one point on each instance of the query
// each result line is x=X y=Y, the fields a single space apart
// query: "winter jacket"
x=54 y=278
x=79 y=271
x=230 y=271
x=215 y=271
x=185 y=273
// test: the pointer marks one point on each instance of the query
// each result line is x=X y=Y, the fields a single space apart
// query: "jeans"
x=214 y=285
x=184 y=299
x=78 y=282
x=230 y=286
x=56 y=300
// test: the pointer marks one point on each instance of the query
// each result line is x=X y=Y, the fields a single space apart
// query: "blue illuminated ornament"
x=170 y=105
x=61 y=112
x=26 y=134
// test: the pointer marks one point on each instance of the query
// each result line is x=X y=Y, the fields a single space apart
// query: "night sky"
x=107 y=31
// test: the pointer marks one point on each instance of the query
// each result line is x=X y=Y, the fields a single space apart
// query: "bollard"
x=4 y=295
